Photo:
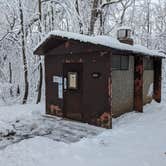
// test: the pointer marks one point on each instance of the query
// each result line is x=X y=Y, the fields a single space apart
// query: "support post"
x=138 y=83
x=157 y=79
x=110 y=90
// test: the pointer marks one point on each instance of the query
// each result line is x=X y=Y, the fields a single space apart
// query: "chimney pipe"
x=124 y=35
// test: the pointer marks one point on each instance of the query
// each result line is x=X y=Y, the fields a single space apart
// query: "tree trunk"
x=94 y=15
x=25 y=68
x=40 y=15
x=18 y=90
x=80 y=23
x=52 y=17
x=10 y=78
x=40 y=82
x=148 y=23
x=97 y=10
x=101 y=20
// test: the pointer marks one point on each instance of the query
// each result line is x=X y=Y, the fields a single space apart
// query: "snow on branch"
x=3 y=37
x=109 y=3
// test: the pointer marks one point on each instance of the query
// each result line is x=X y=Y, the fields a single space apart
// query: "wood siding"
x=102 y=95
x=138 y=83
x=96 y=97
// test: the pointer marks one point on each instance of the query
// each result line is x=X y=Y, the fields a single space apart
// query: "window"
x=148 y=64
x=115 y=62
x=72 y=80
x=124 y=62
x=120 y=62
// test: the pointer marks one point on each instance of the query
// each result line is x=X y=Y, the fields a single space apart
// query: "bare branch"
x=110 y=3
x=5 y=36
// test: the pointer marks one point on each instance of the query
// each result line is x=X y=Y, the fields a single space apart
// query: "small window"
x=148 y=64
x=72 y=80
x=124 y=62
x=120 y=62
x=115 y=62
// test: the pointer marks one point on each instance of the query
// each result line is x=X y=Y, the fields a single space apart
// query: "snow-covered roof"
x=106 y=41
x=124 y=27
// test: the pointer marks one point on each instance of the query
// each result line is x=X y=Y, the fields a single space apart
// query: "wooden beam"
x=138 y=83
x=110 y=90
x=157 y=79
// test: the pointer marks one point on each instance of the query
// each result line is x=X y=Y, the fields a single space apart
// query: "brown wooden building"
x=92 y=79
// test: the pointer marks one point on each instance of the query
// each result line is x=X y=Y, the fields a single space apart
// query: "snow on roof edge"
x=124 y=27
x=107 y=41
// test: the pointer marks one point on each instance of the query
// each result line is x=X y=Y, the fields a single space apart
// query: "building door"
x=72 y=81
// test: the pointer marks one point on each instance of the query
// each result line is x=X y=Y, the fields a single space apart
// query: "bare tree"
x=98 y=9
x=94 y=16
x=125 y=5
x=40 y=64
x=23 y=47
x=78 y=11
x=148 y=21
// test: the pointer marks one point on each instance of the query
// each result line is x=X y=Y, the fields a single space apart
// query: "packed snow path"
x=24 y=125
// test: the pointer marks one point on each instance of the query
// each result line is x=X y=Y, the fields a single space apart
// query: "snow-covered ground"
x=27 y=121
x=29 y=139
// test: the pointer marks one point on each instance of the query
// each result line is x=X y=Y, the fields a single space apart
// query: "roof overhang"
x=56 y=38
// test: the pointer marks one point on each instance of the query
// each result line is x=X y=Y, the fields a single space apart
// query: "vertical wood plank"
x=110 y=90
x=157 y=79
x=138 y=83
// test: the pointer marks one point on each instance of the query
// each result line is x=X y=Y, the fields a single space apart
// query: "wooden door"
x=72 y=81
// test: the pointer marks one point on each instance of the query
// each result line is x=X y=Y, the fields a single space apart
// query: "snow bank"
x=5 y=129
x=104 y=41
x=17 y=112
x=11 y=114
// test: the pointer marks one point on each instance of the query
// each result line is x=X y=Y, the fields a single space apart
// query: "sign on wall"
x=58 y=80
x=72 y=77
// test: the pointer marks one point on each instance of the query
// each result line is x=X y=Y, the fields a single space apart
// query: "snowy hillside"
x=136 y=139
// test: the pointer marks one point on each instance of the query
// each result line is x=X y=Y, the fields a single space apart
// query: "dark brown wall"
x=95 y=98
x=53 y=67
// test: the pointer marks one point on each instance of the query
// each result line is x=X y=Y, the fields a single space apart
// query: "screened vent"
x=120 y=62
x=148 y=64
x=124 y=35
